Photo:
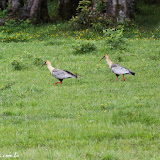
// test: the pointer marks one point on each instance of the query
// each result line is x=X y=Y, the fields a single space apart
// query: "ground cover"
x=92 y=117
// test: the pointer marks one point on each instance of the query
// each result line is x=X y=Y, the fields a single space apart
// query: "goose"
x=58 y=73
x=117 y=69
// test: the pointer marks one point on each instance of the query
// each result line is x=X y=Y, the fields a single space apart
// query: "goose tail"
x=132 y=73
x=73 y=75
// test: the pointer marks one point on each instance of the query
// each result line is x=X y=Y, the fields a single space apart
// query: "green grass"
x=92 y=117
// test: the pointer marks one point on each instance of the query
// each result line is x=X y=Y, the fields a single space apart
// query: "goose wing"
x=62 y=74
x=117 y=69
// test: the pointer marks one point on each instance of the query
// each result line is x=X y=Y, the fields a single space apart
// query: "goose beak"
x=102 y=58
x=43 y=64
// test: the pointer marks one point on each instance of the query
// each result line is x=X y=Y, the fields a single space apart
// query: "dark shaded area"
x=67 y=8
x=151 y=1
x=35 y=10
x=3 y=4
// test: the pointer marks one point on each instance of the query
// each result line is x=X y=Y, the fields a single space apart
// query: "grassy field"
x=92 y=117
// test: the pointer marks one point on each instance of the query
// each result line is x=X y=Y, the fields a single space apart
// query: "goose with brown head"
x=58 y=73
x=117 y=69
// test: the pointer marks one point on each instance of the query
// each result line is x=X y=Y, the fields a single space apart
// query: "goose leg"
x=123 y=78
x=58 y=82
x=116 y=77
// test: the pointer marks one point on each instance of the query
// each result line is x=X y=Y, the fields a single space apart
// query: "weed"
x=89 y=17
x=8 y=113
x=53 y=42
x=155 y=57
x=84 y=48
x=110 y=157
x=16 y=26
x=2 y=13
x=7 y=86
x=17 y=65
x=38 y=61
x=115 y=38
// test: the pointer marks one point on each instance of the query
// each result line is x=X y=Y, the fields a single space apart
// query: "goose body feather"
x=117 y=69
x=62 y=74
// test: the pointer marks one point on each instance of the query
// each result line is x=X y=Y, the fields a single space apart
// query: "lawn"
x=92 y=117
